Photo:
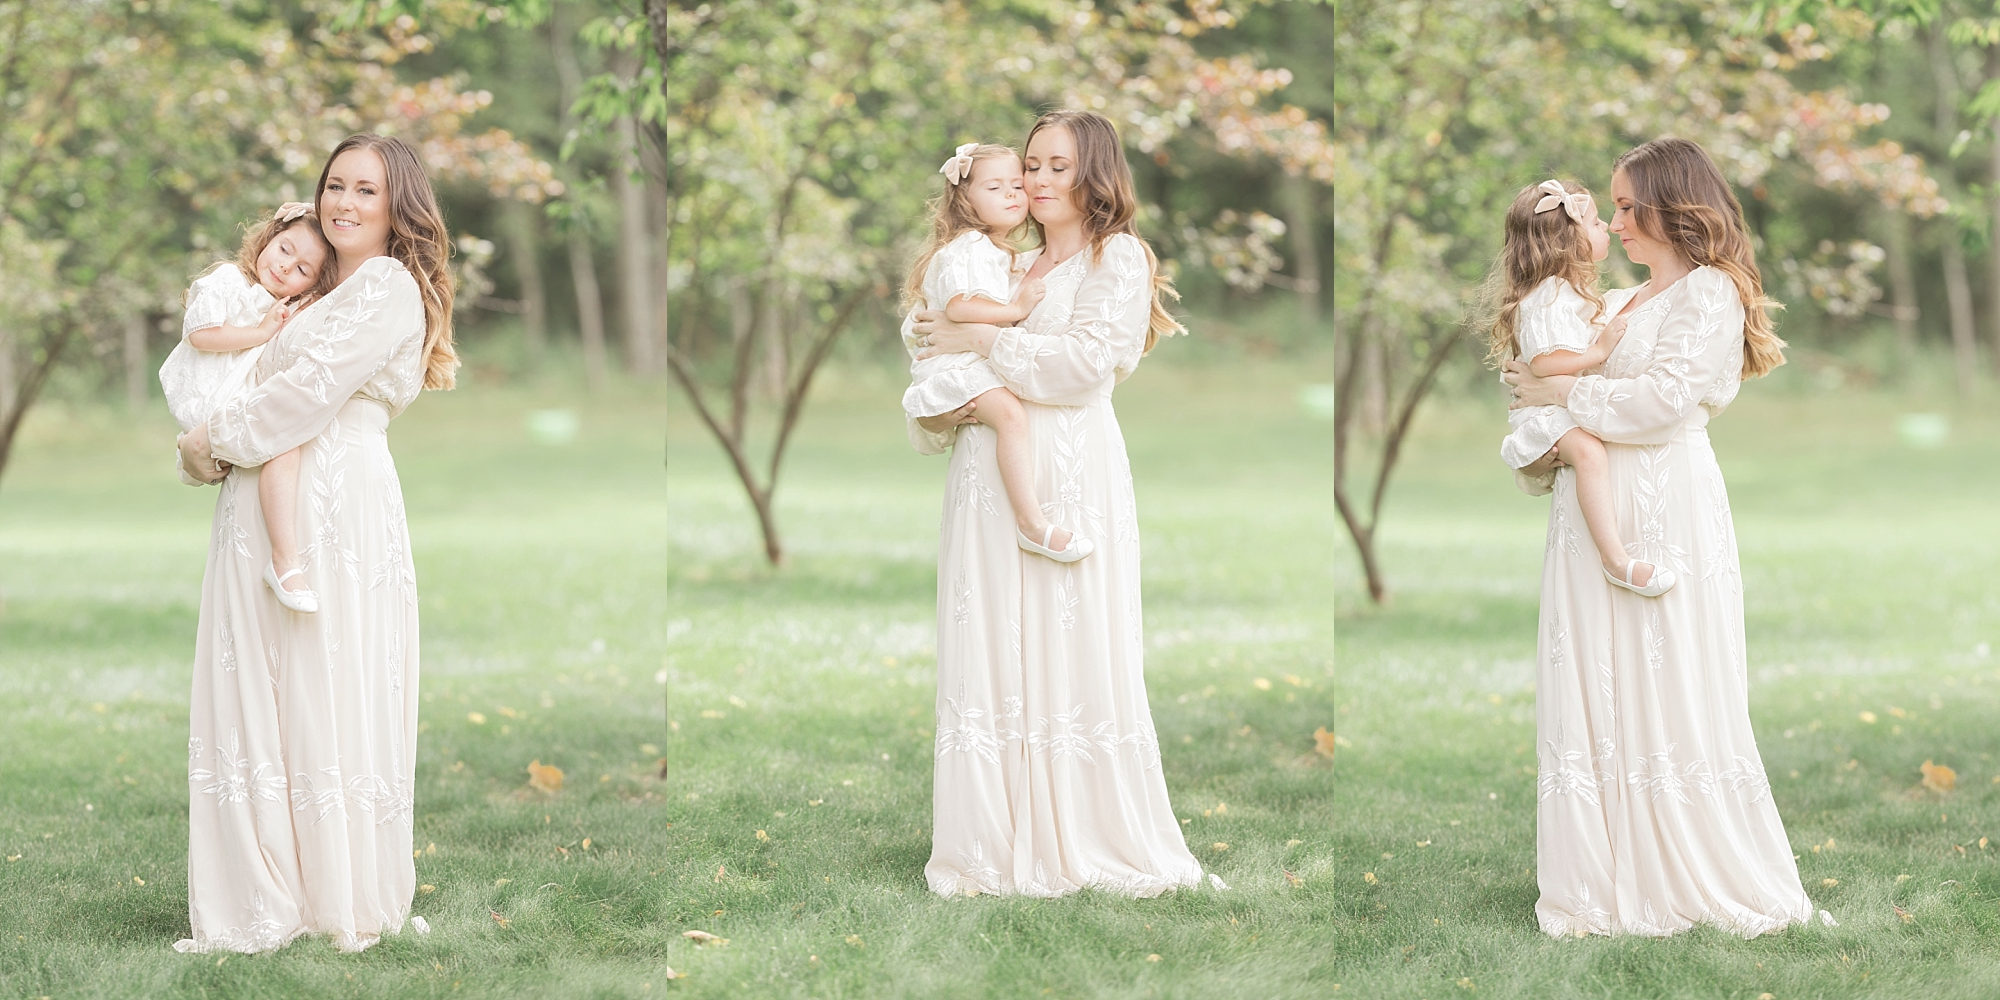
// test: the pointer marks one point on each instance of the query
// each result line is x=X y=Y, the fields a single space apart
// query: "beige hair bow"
x=959 y=167
x=1576 y=206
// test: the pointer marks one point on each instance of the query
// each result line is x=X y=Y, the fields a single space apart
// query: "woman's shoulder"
x=376 y=267
x=1706 y=279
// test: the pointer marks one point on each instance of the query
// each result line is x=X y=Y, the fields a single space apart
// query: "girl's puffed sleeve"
x=1106 y=333
x=1552 y=319
x=209 y=302
x=972 y=265
x=335 y=350
x=1698 y=340
x=927 y=443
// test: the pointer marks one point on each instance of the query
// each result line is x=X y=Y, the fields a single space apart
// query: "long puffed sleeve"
x=1105 y=335
x=1699 y=338
x=330 y=351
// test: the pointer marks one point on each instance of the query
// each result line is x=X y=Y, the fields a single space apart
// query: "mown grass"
x=1869 y=576
x=559 y=585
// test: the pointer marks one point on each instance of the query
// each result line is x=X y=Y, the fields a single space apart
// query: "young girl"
x=1549 y=304
x=967 y=271
x=232 y=310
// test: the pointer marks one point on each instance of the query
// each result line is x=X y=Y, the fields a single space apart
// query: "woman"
x=301 y=765
x=1655 y=813
x=1047 y=766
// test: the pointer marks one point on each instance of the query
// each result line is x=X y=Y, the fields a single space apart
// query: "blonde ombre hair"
x=1104 y=194
x=1537 y=246
x=952 y=216
x=1680 y=198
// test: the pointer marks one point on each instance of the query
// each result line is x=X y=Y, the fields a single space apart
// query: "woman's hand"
x=938 y=335
x=946 y=421
x=196 y=459
x=1532 y=391
x=1544 y=465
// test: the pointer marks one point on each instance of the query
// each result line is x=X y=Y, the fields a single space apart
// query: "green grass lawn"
x=568 y=590
x=1870 y=571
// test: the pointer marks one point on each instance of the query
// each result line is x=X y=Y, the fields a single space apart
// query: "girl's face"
x=291 y=262
x=996 y=195
x=1598 y=233
x=1639 y=247
x=354 y=206
x=1051 y=170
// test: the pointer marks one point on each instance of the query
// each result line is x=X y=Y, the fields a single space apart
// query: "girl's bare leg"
x=1002 y=411
x=1585 y=453
x=278 y=493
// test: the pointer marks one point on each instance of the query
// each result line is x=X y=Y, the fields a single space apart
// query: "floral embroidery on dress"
x=234 y=781
x=1064 y=736
x=1561 y=776
x=1663 y=777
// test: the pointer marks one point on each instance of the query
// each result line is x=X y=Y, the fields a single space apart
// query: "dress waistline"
x=364 y=413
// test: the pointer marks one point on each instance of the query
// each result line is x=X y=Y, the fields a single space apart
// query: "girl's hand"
x=196 y=459
x=938 y=335
x=1029 y=296
x=946 y=421
x=1532 y=391
x=1613 y=333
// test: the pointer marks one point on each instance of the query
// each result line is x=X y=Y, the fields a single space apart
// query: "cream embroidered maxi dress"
x=1654 y=812
x=1047 y=766
x=301 y=763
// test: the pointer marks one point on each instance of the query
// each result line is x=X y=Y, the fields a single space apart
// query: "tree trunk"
x=1902 y=283
x=24 y=394
x=582 y=256
x=1299 y=225
x=634 y=251
x=522 y=243
x=1958 y=292
x=135 y=363
x=589 y=306
x=656 y=196
x=1993 y=213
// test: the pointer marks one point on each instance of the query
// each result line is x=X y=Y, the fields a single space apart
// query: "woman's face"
x=1639 y=247
x=354 y=207
x=1050 y=166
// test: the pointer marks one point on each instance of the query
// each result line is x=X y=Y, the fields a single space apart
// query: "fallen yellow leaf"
x=1369 y=877
x=498 y=919
x=427 y=889
x=721 y=871
x=1152 y=958
x=586 y=843
x=510 y=713
x=544 y=777
x=1323 y=742
x=855 y=940
x=1905 y=914
x=704 y=938
x=1829 y=882
x=476 y=718
x=137 y=880
x=761 y=835
x=1292 y=879
x=1868 y=717
x=1261 y=684
x=1939 y=778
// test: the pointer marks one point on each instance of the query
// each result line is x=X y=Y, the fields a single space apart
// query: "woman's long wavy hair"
x=1679 y=197
x=1537 y=246
x=952 y=215
x=418 y=238
x=1103 y=192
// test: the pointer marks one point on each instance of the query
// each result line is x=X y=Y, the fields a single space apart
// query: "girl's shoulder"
x=223 y=278
x=973 y=244
x=1554 y=291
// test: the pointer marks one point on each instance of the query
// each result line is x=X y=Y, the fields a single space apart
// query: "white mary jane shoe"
x=1661 y=581
x=304 y=602
x=1079 y=546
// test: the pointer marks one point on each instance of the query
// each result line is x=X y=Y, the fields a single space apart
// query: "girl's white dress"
x=969 y=265
x=1553 y=317
x=1654 y=810
x=302 y=755
x=1047 y=773
x=194 y=380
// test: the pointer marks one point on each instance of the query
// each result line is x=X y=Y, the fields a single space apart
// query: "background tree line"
x=721 y=193
x=1859 y=135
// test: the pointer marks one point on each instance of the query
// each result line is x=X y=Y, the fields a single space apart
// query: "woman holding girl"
x=302 y=759
x=1654 y=810
x=1047 y=765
